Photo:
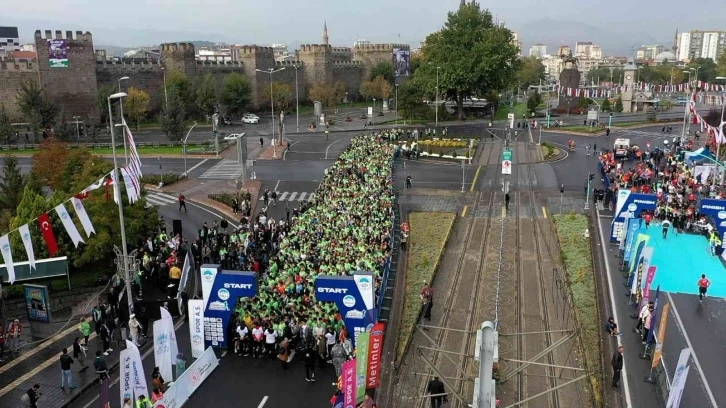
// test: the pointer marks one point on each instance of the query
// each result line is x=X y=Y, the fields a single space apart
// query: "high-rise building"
x=9 y=39
x=538 y=50
x=563 y=50
x=553 y=66
x=701 y=44
x=649 y=51
x=516 y=42
x=587 y=50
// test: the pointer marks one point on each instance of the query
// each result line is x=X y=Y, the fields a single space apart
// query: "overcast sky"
x=618 y=25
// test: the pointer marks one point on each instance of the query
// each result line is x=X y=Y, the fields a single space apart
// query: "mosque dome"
x=665 y=56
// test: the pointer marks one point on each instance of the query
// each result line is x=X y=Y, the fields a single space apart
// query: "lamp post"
x=396 y=104
x=166 y=97
x=184 y=148
x=75 y=119
x=437 y=96
x=685 y=109
x=272 y=106
x=117 y=193
x=121 y=109
x=374 y=108
x=297 y=101
x=721 y=125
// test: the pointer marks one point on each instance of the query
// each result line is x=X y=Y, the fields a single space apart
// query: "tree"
x=531 y=72
x=206 y=95
x=383 y=69
x=102 y=95
x=410 y=101
x=619 y=104
x=34 y=105
x=721 y=65
x=475 y=54
x=172 y=115
x=706 y=68
x=583 y=102
x=6 y=129
x=136 y=105
x=64 y=129
x=11 y=185
x=367 y=90
x=532 y=103
x=282 y=93
x=606 y=105
x=178 y=81
x=236 y=93
x=378 y=88
x=93 y=128
x=48 y=162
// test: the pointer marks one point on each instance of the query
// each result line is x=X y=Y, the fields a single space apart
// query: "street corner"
x=275 y=152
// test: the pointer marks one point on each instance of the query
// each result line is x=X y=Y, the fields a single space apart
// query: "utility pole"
x=486 y=354
x=590 y=176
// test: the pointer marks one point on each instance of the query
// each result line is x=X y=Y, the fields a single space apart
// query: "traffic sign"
x=510 y=118
x=506 y=161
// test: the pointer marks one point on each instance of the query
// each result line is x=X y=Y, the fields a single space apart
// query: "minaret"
x=463 y=3
x=325 y=33
x=675 y=44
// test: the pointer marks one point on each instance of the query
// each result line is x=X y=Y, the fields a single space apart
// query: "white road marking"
x=292 y=196
x=276 y=185
x=326 y=150
x=693 y=351
x=213 y=213
x=288 y=149
x=283 y=195
x=263 y=402
x=302 y=197
x=195 y=166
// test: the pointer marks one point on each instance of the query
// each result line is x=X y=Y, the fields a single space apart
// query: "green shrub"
x=168 y=179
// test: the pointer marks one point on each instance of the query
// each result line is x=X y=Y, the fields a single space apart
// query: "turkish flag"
x=47 y=229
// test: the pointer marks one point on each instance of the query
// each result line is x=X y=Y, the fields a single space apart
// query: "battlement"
x=58 y=35
x=342 y=50
x=171 y=47
x=380 y=47
x=288 y=63
x=312 y=48
x=127 y=66
x=17 y=66
x=219 y=64
x=339 y=64
x=255 y=49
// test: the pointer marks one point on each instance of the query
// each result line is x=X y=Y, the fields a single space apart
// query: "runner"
x=703 y=285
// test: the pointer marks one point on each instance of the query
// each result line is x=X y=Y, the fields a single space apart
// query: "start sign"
x=507 y=161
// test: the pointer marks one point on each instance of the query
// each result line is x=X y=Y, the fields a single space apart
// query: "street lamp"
x=721 y=124
x=397 y=104
x=437 y=96
x=374 y=108
x=184 y=148
x=117 y=193
x=685 y=110
x=166 y=98
x=272 y=106
x=297 y=102
x=121 y=109
x=75 y=118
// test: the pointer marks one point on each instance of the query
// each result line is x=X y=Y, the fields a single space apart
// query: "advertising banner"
x=642 y=263
x=196 y=326
x=716 y=209
x=375 y=350
x=348 y=294
x=137 y=370
x=361 y=367
x=126 y=383
x=37 y=303
x=162 y=349
x=652 y=270
x=184 y=386
x=173 y=346
x=658 y=353
x=226 y=288
x=629 y=205
x=187 y=269
x=58 y=53
x=208 y=273
x=401 y=62
x=679 y=379
x=349 y=384
x=641 y=240
x=633 y=226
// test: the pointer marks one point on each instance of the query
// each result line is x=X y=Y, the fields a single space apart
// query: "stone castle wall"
x=148 y=77
x=12 y=75
x=349 y=74
x=372 y=54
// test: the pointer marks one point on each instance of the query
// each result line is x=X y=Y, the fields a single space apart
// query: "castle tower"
x=325 y=33
x=178 y=57
x=629 y=70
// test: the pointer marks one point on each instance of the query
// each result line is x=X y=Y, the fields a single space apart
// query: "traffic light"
x=590 y=176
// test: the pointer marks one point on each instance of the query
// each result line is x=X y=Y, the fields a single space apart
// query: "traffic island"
x=576 y=252
x=429 y=233
x=275 y=152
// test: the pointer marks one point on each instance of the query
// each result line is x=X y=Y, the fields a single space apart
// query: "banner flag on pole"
x=139 y=378
x=349 y=383
x=196 y=326
x=28 y=243
x=47 y=228
x=162 y=348
x=679 y=381
x=7 y=257
x=661 y=335
x=68 y=224
x=173 y=346
x=126 y=384
x=83 y=217
x=115 y=192
x=129 y=184
x=361 y=366
x=655 y=318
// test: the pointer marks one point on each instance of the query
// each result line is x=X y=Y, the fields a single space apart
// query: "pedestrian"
x=66 y=374
x=156 y=395
x=436 y=389
x=367 y=402
x=182 y=202
x=128 y=403
x=404 y=238
x=99 y=363
x=30 y=398
x=506 y=201
x=338 y=357
x=612 y=327
x=666 y=224
x=134 y=327
x=270 y=341
x=79 y=353
x=607 y=132
x=85 y=330
x=427 y=299
x=273 y=197
x=14 y=331
x=2 y=342
x=143 y=402
x=235 y=205
x=703 y=285
x=97 y=317
x=617 y=363
x=663 y=130
x=309 y=361
x=670 y=129
x=643 y=312
x=262 y=142
x=266 y=197
x=647 y=218
x=106 y=339
x=594 y=148
x=408 y=182
x=648 y=323
x=181 y=364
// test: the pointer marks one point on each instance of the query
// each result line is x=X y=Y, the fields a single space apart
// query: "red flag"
x=47 y=229
x=82 y=195
x=109 y=182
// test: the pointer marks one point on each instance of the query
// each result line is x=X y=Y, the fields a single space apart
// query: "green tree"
x=206 y=95
x=367 y=90
x=236 y=93
x=606 y=105
x=532 y=103
x=34 y=105
x=136 y=105
x=475 y=55
x=583 y=102
x=706 y=68
x=102 y=95
x=11 y=184
x=383 y=69
x=721 y=65
x=531 y=71
x=177 y=81
x=282 y=93
x=172 y=115
x=93 y=128
x=64 y=129
x=619 y=104
x=410 y=101
x=6 y=129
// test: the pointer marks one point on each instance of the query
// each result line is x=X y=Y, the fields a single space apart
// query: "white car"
x=250 y=119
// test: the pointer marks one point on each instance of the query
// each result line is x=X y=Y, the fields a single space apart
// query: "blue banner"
x=641 y=241
x=629 y=205
x=633 y=226
x=227 y=287
x=354 y=296
x=37 y=302
x=655 y=320
x=716 y=209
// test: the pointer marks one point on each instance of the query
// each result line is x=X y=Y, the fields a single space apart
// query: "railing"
x=35 y=146
x=387 y=265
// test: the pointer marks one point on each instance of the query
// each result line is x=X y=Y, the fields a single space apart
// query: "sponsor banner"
x=208 y=273
x=679 y=379
x=37 y=302
x=126 y=381
x=629 y=205
x=636 y=259
x=633 y=226
x=196 y=326
x=652 y=270
x=658 y=353
x=642 y=265
x=349 y=384
x=361 y=367
x=352 y=304
x=187 y=268
x=401 y=62
x=375 y=350
x=162 y=349
x=166 y=317
x=58 y=53
x=137 y=371
x=227 y=287
x=184 y=386
x=716 y=209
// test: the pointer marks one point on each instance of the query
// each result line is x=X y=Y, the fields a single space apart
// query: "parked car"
x=252 y=115
x=250 y=119
x=227 y=121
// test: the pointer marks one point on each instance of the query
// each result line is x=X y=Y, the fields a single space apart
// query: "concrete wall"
x=74 y=87
x=12 y=74
x=148 y=77
x=76 y=301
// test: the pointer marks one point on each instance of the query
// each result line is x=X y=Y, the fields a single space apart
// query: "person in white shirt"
x=257 y=336
x=240 y=344
x=270 y=341
x=330 y=342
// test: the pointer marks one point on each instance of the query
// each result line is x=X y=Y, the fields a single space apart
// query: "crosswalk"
x=157 y=199
x=224 y=170
x=291 y=196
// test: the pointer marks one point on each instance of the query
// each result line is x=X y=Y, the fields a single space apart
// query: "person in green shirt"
x=85 y=329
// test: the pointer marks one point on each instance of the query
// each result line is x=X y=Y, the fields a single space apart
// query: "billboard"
x=37 y=302
x=716 y=209
x=58 y=53
x=401 y=62
x=354 y=296
x=226 y=288
x=629 y=205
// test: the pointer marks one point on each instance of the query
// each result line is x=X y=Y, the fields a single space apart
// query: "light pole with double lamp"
x=297 y=101
x=184 y=148
x=685 y=110
x=272 y=107
x=117 y=193
x=437 y=96
x=721 y=124
x=121 y=109
x=166 y=98
x=397 y=104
